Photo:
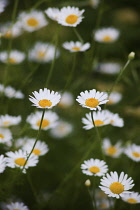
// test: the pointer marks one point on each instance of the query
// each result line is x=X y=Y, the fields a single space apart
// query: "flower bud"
x=87 y=183
x=131 y=56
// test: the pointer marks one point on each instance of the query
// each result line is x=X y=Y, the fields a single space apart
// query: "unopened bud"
x=131 y=56
x=87 y=183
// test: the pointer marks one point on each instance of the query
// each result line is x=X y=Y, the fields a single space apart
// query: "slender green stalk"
x=78 y=35
x=92 y=198
x=94 y=188
x=35 y=140
x=98 y=135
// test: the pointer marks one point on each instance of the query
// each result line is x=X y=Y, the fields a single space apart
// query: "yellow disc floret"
x=94 y=169
x=36 y=151
x=71 y=19
x=20 y=161
x=136 y=154
x=116 y=188
x=132 y=200
x=98 y=122
x=1 y=136
x=91 y=102
x=111 y=150
x=76 y=48
x=107 y=39
x=45 y=103
x=32 y=22
x=45 y=123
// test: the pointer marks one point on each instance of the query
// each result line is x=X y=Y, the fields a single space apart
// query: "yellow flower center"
x=36 y=151
x=76 y=48
x=71 y=19
x=20 y=161
x=6 y=122
x=8 y=34
x=110 y=102
x=107 y=39
x=116 y=188
x=1 y=136
x=98 y=122
x=41 y=54
x=136 y=154
x=91 y=102
x=94 y=169
x=32 y=22
x=111 y=150
x=44 y=103
x=132 y=200
x=111 y=121
x=45 y=123
x=12 y=60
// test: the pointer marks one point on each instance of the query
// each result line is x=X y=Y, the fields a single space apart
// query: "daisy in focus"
x=14 y=57
x=108 y=68
x=52 y=13
x=16 y=206
x=61 y=130
x=94 y=167
x=92 y=99
x=41 y=148
x=114 y=98
x=50 y=120
x=45 y=98
x=133 y=152
x=5 y=135
x=76 y=46
x=2 y=163
x=66 y=100
x=18 y=159
x=42 y=52
x=10 y=30
x=106 y=35
x=7 y=120
x=100 y=119
x=132 y=198
x=32 y=21
x=112 y=150
x=70 y=16
x=116 y=186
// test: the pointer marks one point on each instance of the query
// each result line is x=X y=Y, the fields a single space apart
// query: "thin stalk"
x=92 y=199
x=94 y=188
x=35 y=140
x=78 y=35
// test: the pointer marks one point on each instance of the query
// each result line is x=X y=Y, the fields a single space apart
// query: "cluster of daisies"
x=10 y=92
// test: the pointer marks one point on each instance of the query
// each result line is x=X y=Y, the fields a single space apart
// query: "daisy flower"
x=42 y=52
x=16 y=206
x=106 y=35
x=116 y=186
x=92 y=99
x=112 y=150
x=10 y=92
x=132 y=198
x=41 y=148
x=61 y=130
x=32 y=21
x=2 y=163
x=45 y=98
x=18 y=159
x=5 y=135
x=49 y=121
x=10 y=30
x=100 y=119
x=76 y=46
x=108 y=68
x=14 y=57
x=20 y=142
x=114 y=98
x=70 y=16
x=133 y=152
x=3 y=4
x=115 y=119
x=94 y=3
x=52 y=13
x=7 y=120
x=94 y=167
x=66 y=100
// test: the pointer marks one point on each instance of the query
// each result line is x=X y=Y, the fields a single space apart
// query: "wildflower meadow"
x=69 y=105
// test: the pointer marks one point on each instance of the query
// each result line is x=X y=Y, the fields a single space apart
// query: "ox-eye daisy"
x=14 y=57
x=16 y=206
x=116 y=186
x=42 y=52
x=10 y=92
x=94 y=167
x=112 y=150
x=100 y=119
x=133 y=152
x=106 y=35
x=41 y=148
x=10 y=30
x=18 y=159
x=132 y=198
x=52 y=13
x=115 y=119
x=61 y=130
x=5 y=135
x=49 y=121
x=92 y=99
x=76 y=46
x=66 y=100
x=32 y=21
x=70 y=16
x=45 y=98
x=7 y=120
x=114 y=98
x=2 y=163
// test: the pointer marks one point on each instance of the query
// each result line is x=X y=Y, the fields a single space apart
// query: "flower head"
x=114 y=98
x=108 y=68
x=92 y=99
x=115 y=119
x=116 y=186
x=16 y=206
x=2 y=163
x=10 y=30
x=14 y=57
x=133 y=152
x=7 y=120
x=106 y=35
x=70 y=16
x=52 y=13
x=94 y=167
x=66 y=100
x=5 y=135
x=10 y=92
x=132 y=198
x=45 y=98
x=76 y=46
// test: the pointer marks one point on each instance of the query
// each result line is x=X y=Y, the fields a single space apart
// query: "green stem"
x=94 y=188
x=78 y=35
x=92 y=198
x=35 y=140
